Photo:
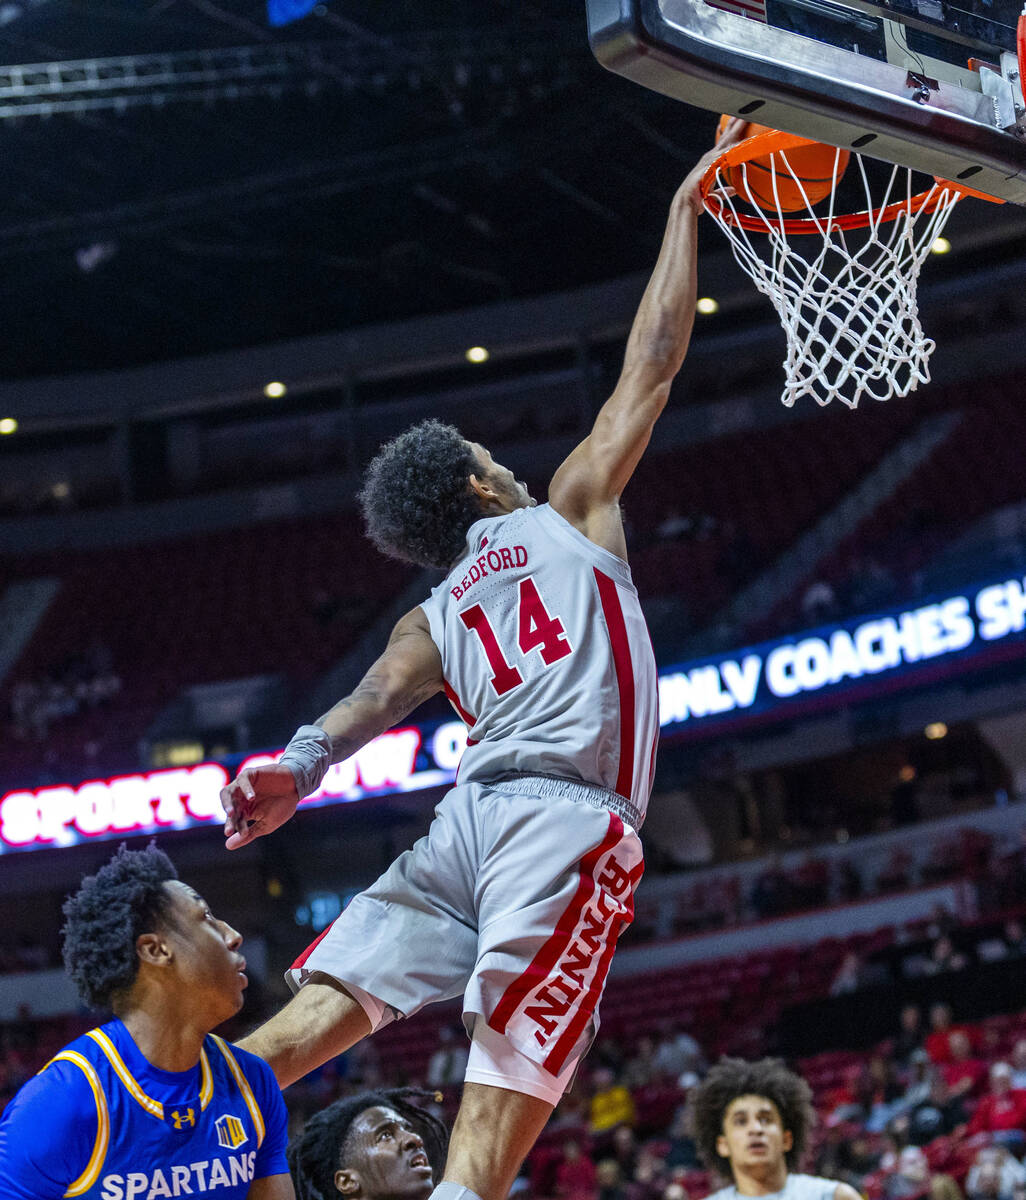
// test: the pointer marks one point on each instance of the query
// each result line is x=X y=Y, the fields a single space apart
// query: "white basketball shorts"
x=515 y=898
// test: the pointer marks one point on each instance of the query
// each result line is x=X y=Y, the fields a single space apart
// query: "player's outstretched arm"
x=586 y=489
x=261 y=799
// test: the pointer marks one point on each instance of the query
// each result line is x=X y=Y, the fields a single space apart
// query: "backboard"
x=926 y=84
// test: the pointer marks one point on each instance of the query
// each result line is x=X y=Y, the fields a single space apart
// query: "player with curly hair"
x=518 y=894
x=751 y=1122
x=150 y=1103
x=382 y=1145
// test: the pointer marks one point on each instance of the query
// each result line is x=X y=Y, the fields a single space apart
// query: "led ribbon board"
x=785 y=678
x=856 y=659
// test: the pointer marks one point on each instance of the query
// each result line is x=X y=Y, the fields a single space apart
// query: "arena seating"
x=972 y=472
x=221 y=606
x=759 y=495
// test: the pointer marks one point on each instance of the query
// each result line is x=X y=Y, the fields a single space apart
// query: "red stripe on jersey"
x=617 y=627
x=568 y=1039
x=454 y=700
x=312 y=947
x=551 y=952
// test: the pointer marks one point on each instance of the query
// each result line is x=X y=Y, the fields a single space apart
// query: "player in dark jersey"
x=374 y=1146
x=150 y=1104
x=520 y=890
x=751 y=1121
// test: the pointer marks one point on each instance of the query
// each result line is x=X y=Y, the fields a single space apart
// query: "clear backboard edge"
x=726 y=63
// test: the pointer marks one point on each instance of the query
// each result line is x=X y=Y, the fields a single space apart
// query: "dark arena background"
x=240 y=252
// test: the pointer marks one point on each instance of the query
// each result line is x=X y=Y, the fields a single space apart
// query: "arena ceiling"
x=180 y=177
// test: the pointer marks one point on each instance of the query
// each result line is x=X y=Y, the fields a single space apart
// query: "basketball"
x=813 y=165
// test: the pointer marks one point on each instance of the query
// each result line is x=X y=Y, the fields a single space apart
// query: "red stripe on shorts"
x=568 y=1039
x=617 y=627
x=550 y=953
x=312 y=947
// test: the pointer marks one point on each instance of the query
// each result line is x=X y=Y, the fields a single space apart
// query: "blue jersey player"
x=151 y=1104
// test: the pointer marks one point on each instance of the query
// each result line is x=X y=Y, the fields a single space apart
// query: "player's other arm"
x=407 y=673
x=586 y=489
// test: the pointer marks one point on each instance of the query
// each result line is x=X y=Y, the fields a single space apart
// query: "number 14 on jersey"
x=536 y=630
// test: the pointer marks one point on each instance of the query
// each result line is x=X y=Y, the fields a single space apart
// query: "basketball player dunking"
x=517 y=896
x=750 y=1122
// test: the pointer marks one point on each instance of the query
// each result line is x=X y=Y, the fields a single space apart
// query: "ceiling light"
x=935 y=730
x=477 y=354
x=274 y=390
x=8 y=425
x=940 y=245
x=707 y=306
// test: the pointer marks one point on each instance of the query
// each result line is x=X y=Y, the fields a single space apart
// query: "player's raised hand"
x=733 y=132
x=257 y=802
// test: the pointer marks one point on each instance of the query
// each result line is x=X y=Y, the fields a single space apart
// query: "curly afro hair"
x=103 y=919
x=733 y=1077
x=321 y=1149
x=416 y=498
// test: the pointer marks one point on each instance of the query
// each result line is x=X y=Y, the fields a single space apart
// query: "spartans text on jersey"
x=192 y=1179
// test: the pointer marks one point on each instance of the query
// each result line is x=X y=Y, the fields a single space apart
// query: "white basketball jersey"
x=547 y=657
x=798 y=1187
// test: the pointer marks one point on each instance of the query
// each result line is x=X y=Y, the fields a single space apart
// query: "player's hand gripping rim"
x=690 y=190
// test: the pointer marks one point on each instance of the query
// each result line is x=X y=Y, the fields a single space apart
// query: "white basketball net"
x=847 y=302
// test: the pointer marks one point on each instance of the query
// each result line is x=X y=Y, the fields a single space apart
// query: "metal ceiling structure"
x=182 y=178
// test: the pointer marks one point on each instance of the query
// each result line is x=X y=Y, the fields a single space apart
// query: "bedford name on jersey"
x=504 y=559
x=194 y=1179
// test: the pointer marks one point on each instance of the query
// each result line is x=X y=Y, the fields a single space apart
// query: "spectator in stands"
x=910 y=1033
x=1009 y=943
x=945 y=957
x=819 y=603
x=448 y=1065
x=682 y=1150
x=1002 y=1111
x=611 y=1103
x=678 y=1054
x=940 y=1113
x=610 y=1181
x=994 y=1173
x=373 y=1146
x=1019 y=1065
x=918 y=1080
x=937 y=1043
x=650 y=1169
x=576 y=1178
x=679 y=524
x=640 y=1069
x=847 y=977
x=987 y=1183
x=963 y=1074
x=911 y=1177
x=625 y=1150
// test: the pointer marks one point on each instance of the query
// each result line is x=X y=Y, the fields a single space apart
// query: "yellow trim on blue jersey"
x=206 y=1080
x=118 y=1063
x=92 y=1172
x=244 y=1088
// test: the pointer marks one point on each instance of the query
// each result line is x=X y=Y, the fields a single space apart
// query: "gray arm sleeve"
x=308 y=757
